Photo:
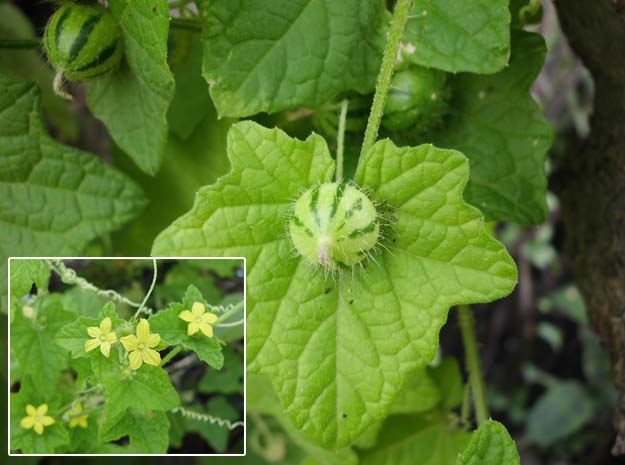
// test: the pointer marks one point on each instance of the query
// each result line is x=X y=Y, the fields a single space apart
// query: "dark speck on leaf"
x=328 y=290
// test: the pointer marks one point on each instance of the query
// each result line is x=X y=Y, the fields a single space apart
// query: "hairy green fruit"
x=334 y=225
x=83 y=41
x=418 y=99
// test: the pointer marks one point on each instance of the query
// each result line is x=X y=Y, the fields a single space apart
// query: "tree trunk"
x=591 y=180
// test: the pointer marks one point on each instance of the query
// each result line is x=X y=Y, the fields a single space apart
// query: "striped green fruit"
x=83 y=41
x=334 y=225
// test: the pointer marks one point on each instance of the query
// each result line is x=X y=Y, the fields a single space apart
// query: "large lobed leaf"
x=458 y=35
x=133 y=101
x=338 y=351
x=271 y=55
x=54 y=199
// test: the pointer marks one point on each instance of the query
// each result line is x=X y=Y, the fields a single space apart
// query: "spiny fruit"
x=418 y=99
x=334 y=225
x=83 y=41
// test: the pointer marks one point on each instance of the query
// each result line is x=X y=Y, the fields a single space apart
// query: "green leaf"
x=27 y=440
x=143 y=390
x=217 y=436
x=563 y=410
x=228 y=380
x=448 y=379
x=133 y=101
x=490 y=444
x=326 y=344
x=419 y=394
x=407 y=440
x=173 y=330
x=458 y=36
x=73 y=336
x=148 y=431
x=32 y=341
x=54 y=199
x=497 y=124
x=271 y=55
x=25 y=273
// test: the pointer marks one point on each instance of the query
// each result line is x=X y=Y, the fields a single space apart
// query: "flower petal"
x=129 y=342
x=105 y=325
x=47 y=421
x=82 y=421
x=186 y=315
x=38 y=428
x=73 y=423
x=105 y=348
x=42 y=409
x=111 y=337
x=27 y=422
x=31 y=410
x=207 y=329
x=143 y=330
x=91 y=344
x=192 y=328
x=151 y=357
x=94 y=331
x=153 y=340
x=209 y=317
x=135 y=359
x=198 y=309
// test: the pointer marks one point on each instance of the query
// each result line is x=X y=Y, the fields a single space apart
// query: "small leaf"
x=25 y=273
x=458 y=35
x=54 y=199
x=173 y=330
x=419 y=394
x=133 y=101
x=271 y=55
x=448 y=378
x=227 y=380
x=148 y=431
x=490 y=444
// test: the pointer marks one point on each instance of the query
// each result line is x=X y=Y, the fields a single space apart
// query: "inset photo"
x=126 y=356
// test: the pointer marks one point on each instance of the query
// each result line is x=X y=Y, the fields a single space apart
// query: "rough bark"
x=591 y=181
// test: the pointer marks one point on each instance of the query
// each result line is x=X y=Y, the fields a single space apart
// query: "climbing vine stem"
x=386 y=73
x=142 y=308
x=473 y=364
x=340 y=140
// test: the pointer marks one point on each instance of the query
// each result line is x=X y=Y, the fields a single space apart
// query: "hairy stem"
x=235 y=308
x=184 y=23
x=340 y=140
x=171 y=354
x=19 y=44
x=142 y=308
x=473 y=364
x=386 y=73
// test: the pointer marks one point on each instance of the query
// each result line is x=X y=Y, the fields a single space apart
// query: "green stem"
x=171 y=354
x=473 y=364
x=386 y=73
x=188 y=24
x=235 y=308
x=149 y=293
x=19 y=44
x=340 y=141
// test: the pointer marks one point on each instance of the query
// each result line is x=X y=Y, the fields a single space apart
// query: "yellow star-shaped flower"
x=36 y=418
x=199 y=319
x=102 y=336
x=76 y=419
x=140 y=346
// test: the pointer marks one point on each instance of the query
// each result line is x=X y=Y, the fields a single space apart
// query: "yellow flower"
x=103 y=337
x=76 y=419
x=140 y=346
x=199 y=319
x=36 y=418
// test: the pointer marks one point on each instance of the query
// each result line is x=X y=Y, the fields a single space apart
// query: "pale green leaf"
x=133 y=101
x=173 y=330
x=148 y=431
x=271 y=55
x=424 y=440
x=490 y=445
x=419 y=394
x=338 y=351
x=448 y=379
x=32 y=341
x=143 y=390
x=25 y=273
x=497 y=124
x=54 y=199
x=73 y=336
x=458 y=35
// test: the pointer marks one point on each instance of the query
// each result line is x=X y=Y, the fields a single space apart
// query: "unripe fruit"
x=83 y=41
x=418 y=99
x=334 y=225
